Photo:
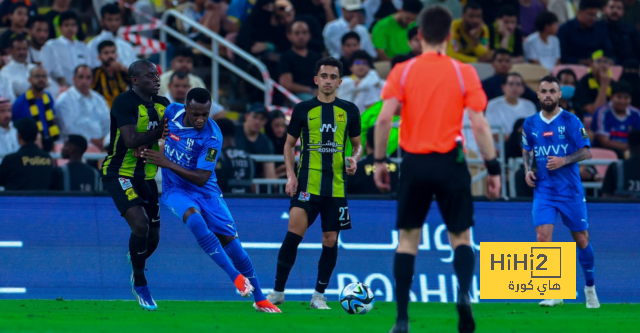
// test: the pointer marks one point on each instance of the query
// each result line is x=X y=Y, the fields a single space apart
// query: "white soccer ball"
x=357 y=298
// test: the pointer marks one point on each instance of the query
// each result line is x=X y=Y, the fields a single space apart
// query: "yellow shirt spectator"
x=465 y=48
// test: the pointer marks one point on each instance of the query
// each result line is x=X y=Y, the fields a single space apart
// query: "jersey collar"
x=548 y=121
x=177 y=120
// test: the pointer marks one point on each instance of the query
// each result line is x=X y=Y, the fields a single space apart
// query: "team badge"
x=211 y=155
x=546 y=134
x=304 y=196
x=125 y=183
x=561 y=132
x=340 y=117
x=584 y=133
x=131 y=194
x=174 y=137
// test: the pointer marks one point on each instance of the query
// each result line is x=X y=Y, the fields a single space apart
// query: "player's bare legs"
x=586 y=259
x=327 y=263
x=298 y=224
x=138 y=254
x=544 y=233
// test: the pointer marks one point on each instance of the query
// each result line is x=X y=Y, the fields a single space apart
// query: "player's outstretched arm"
x=199 y=176
x=133 y=139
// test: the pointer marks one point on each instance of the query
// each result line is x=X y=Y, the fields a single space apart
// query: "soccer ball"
x=357 y=298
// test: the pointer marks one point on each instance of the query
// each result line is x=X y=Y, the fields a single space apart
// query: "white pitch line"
x=10 y=244
x=13 y=290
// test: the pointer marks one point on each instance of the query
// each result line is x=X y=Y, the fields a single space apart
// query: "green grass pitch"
x=174 y=316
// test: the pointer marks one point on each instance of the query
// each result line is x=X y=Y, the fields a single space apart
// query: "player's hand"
x=530 y=178
x=155 y=157
x=353 y=166
x=165 y=130
x=292 y=186
x=138 y=151
x=493 y=187
x=555 y=162
x=382 y=178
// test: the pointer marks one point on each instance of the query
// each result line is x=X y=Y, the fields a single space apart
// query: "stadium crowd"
x=63 y=63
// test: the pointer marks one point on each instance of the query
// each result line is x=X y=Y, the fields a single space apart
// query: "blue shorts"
x=213 y=209
x=573 y=213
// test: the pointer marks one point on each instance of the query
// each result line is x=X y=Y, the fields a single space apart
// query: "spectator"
x=613 y=121
x=6 y=6
x=364 y=87
x=568 y=83
x=111 y=21
x=6 y=91
x=8 y=134
x=414 y=43
x=350 y=44
x=470 y=36
x=179 y=87
x=75 y=175
x=208 y=13
x=276 y=130
x=594 y=89
x=529 y=11
x=491 y=8
x=624 y=37
x=250 y=139
x=389 y=35
x=632 y=13
x=513 y=145
x=183 y=62
x=454 y=6
x=30 y=168
x=582 y=36
x=622 y=179
x=351 y=22
x=631 y=74
x=374 y=10
x=492 y=86
x=18 y=28
x=323 y=10
x=362 y=182
x=235 y=169
x=53 y=19
x=83 y=111
x=505 y=110
x=543 y=47
x=238 y=12
x=37 y=100
x=111 y=78
x=565 y=10
x=38 y=35
x=504 y=34
x=61 y=56
x=296 y=65
x=17 y=71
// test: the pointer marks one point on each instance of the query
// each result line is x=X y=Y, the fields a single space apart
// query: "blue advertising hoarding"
x=75 y=248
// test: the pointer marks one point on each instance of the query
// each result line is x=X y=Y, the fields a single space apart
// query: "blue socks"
x=585 y=256
x=243 y=264
x=211 y=245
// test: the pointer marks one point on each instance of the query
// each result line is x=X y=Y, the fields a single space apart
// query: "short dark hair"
x=371 y=141
x=27 y=128
x=498 y=52
x=227 y=127
x=105 y=43
x=68 y=15
x=622 y=87
x=590 y=4
x=290 y=25
x=567 y=71
x=37 y=18
x=328 y=61
x=350 y=35
x=183 y=52
x=180 y=75
x=412 y=32
x=507 y=10
x=544 y=19
x=19 y=4
x=435 y=25
x=111 y=9
x=362 y=55
x=471 y=5
x=516 y=74
x=412 y=6
x=79 y=141
x=199 y=95
x=136 y=68
x=550 y=79
x=75 y=71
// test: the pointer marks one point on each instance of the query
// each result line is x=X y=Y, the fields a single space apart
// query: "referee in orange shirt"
x=432 y=91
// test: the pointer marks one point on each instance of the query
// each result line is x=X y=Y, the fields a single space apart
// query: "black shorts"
x=334 y=212
x=129 y=192
x=424 y=175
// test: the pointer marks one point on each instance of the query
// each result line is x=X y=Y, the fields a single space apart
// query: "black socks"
x=403 y=267
x=464 y=263
x=286 y=259
x=327 y=263
x=138 y=252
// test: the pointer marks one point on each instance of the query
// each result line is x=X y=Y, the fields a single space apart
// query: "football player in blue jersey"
x=558 y=141
x=192 y=193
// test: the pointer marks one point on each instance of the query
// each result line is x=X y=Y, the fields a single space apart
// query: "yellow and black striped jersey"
x=323 y=129
x=129 y=109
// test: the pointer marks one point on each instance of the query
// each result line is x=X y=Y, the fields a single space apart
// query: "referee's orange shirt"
x=433 y=102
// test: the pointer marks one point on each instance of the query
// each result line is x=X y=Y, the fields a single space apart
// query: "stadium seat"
x=531 y=74
x=383 y=68
x=485 y=71
x=603 y=154
x=579 y=70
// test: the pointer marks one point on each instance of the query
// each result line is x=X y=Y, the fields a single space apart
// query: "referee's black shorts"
x=422 y=176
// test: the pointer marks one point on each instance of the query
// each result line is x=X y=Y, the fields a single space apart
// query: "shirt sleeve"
x=20 y=109
x=392 y=87
x=209 y=154
x=579 y=134
x=295 y=124
x=529 y=50
x=610 y=179
x=123 y=112
x=475 y=98
x=378 y=37
x=597 y=125
x=527 y=137
x=355 y=126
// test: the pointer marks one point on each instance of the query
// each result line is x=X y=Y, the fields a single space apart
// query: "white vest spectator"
x=546 y=53
x=364 y=93
x=126 y=55
x=8 y=134
x=87 y=116
x=35 y=56
x=503 y=114
x=18 y=74
x=61 y=56
x=334 y=31
x=6 y=91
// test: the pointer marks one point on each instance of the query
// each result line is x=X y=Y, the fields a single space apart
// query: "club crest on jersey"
x=547 y=134
x=211 y=155
x=340 y=117
x=125 y=183
x=561 y=132
x=304 y=196
x=584 y=133
x=190 y=144
x=174 y=137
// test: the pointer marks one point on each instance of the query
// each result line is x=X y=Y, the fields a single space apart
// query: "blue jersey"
x=607 y=122
x=561 y=136
x=191 y=149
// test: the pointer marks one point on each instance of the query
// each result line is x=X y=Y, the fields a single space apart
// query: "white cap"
x=351 y=4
